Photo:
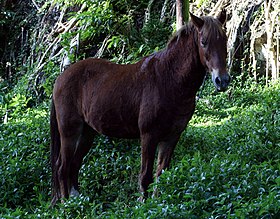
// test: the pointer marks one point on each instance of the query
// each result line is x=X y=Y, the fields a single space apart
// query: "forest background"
x=226 y=164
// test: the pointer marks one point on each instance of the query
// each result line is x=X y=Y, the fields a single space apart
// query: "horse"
x=153 y=100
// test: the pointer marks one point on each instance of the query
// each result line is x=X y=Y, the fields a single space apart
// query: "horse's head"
x=212 y=44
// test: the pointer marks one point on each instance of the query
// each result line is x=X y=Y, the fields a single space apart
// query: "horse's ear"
x=198 y=22
x=222 y=17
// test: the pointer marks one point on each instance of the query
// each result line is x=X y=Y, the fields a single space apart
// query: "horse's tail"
x=55 y=150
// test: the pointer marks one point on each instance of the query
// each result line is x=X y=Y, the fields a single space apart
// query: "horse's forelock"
x=212 y=28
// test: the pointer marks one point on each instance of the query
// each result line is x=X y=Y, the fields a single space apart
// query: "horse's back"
x=89 y=75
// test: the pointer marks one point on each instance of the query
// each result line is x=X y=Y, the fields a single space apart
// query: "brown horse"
x=153 y=100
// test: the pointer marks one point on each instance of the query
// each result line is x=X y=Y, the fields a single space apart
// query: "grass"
x=226 y=164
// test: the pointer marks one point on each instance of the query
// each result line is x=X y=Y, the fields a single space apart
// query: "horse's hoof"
x=155 y=193
x=53 y=202
x=74 y=192
x=141 y=199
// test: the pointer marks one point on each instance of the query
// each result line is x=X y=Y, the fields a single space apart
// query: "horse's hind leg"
x=165 y=152
x=70 y=134
x=84 y=144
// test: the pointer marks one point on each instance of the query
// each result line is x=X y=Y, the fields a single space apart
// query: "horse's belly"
x=114 y=126
x=119 y=131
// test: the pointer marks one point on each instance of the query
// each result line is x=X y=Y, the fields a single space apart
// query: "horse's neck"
x=182 y=58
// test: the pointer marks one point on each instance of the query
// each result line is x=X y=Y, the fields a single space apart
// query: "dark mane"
x=212 y=28
x=185 y=30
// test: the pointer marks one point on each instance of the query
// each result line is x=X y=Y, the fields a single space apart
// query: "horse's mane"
x=184 y=30
x=211 y=28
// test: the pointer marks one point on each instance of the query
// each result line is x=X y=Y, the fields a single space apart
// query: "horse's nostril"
x=218 y=81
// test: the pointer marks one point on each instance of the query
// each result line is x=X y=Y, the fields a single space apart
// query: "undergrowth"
x=226 y=164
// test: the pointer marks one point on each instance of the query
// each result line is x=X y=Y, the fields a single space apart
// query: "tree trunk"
x=182 y=13
x=271 y=60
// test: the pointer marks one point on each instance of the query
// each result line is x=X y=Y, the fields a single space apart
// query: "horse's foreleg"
x=82 y=149
x=148 y=150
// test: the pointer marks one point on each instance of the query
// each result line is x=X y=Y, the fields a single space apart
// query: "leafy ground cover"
x=226 y=165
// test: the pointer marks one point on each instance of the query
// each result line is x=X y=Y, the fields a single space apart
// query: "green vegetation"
x=226 y=164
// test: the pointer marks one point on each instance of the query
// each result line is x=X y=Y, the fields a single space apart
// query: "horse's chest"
x=166 y=117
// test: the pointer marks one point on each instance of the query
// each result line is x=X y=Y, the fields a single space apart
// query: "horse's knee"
x=61 y=172
x=61 y=175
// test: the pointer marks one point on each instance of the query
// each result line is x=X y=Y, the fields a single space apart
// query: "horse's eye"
x=203 y=43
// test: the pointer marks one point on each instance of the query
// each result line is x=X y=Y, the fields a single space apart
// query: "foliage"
x=106 y=23
x=119 y=30
x=16 y=22
x=74 y=30
x=24 y=155
x=226 y=164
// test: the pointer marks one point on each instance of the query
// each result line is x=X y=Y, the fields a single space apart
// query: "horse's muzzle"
x=221 y=82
